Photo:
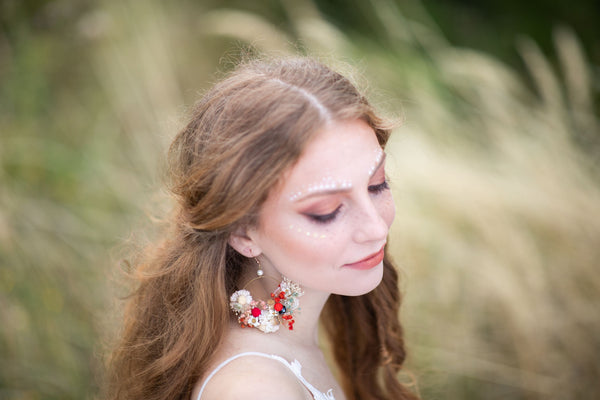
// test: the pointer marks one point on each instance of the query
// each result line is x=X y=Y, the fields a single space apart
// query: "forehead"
x=340 y=150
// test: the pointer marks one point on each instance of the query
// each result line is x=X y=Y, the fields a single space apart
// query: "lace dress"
x=294 y=366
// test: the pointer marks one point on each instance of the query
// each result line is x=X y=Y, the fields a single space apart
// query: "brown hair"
x=243 y=134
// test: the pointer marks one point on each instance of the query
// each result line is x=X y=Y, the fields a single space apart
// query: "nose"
x=371 y=225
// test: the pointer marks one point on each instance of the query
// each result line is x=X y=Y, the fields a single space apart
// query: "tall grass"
x=495 y=178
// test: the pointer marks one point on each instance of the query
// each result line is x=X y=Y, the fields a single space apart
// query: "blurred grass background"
x=495 y=173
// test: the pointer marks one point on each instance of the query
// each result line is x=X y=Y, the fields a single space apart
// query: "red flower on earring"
x=266 y=316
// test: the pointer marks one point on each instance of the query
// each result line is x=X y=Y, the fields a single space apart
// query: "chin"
x=363 y=282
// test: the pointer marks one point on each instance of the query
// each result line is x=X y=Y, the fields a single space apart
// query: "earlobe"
x=243 y=243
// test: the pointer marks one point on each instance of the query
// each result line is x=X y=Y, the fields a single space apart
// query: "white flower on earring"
x=269 y=321
x=253 y=321
x=240 y=299
x=267 y=316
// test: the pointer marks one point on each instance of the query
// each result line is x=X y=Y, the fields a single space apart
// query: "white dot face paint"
x=301 y=231
x=326 y=184
x=329 y=184
x=378 y=157
x=336 y=195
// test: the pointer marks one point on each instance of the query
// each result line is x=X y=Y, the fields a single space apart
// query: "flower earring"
x=267 y=315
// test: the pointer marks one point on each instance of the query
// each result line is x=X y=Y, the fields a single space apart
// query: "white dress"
x=294 y=366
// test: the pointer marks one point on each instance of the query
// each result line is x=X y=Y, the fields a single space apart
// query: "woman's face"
x=326 y=225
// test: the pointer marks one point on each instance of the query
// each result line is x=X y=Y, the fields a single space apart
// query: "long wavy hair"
x=242 y=136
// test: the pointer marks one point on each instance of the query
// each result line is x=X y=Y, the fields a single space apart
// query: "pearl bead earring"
x=259 y=271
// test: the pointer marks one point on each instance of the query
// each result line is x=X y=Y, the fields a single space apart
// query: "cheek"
x=304 y=259
x=297 y=242
x=387 y=208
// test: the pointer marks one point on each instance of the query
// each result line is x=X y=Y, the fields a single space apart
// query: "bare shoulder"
x=253 y=377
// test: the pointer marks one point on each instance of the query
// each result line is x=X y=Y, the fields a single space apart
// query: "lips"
x=367 y=263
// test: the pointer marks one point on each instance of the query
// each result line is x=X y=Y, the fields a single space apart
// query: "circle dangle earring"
x=267 y=315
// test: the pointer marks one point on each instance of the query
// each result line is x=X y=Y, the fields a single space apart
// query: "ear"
x=241 y=241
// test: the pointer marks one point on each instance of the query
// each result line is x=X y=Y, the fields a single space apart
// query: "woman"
x=283 y=211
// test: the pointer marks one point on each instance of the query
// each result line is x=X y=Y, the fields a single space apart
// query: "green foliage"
x=496 y=185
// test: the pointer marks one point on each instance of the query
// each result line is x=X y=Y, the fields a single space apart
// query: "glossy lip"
x=367 y=263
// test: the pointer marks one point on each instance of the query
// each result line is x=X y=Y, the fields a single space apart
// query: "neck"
x=306 y=326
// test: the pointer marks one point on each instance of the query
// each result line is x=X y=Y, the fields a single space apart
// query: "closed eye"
x=376 y=189
x=325 y=218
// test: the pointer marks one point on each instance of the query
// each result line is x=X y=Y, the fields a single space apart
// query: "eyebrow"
x=335 y=190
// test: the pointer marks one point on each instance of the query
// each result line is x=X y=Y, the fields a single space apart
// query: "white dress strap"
x=294 y=366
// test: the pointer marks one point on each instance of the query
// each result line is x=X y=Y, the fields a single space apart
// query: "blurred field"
x=495 y=177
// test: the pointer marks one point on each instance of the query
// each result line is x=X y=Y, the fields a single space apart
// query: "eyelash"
x=376 y=189
x=327 y=218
